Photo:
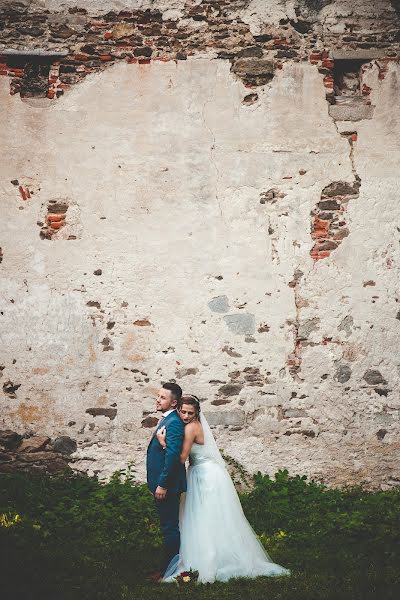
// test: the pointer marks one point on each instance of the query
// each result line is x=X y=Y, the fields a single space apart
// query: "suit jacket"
x=163 y=466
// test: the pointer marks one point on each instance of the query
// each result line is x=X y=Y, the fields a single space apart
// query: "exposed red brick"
x=52 y=217
x=82 y=56
x=320 y=228
x=57 y=224
x=22 y=192
x=175 y=41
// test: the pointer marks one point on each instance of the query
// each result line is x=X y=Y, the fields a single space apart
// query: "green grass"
x=76 y=538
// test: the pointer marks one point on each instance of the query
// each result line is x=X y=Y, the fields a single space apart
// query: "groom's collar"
x=168 y=412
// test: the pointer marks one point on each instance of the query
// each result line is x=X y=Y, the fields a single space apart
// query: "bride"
x=216 y=538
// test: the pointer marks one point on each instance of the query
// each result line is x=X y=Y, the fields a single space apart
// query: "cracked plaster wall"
x=177 y=261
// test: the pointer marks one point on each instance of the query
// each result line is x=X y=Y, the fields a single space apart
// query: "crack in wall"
x=212 y=157
x=294 y=360
x=329 y=225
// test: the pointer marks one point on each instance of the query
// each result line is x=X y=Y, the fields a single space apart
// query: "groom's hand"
x=160 y=493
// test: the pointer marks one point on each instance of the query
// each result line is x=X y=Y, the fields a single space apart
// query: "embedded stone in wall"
x=231 y=352
x=220 y=304
x=307 y=327
x=374 y=377
x=10 y=439
x=343 y=373
x=234 y=418
x=185 y=372
x=351 y=112
x=346 y=325
x=221 y=401
x=111 y=413
x=254 y=71
x=9 y=388
x=230 y=389
x=149 y=422
x=250 y=99
x=107 y=344
x=241 y=324
x=64 y=444
x=271 y=196
x=34 y=444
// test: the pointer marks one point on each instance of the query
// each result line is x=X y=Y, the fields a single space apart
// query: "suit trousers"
x=168 y=511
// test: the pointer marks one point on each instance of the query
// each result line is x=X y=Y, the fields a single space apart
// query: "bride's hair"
x=192 y=401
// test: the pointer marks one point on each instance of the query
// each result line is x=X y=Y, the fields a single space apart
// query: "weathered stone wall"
x=204 y=192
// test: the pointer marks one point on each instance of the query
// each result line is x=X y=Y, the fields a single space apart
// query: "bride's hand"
x=161 y=435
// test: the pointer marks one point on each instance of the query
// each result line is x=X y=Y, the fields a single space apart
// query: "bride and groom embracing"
x=207 y=530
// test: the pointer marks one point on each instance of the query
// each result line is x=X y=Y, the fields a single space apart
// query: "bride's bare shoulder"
x=193 y=428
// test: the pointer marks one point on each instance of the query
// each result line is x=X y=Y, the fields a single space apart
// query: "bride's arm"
x=190 y=434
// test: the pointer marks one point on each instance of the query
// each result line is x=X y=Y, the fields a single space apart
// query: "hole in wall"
x=347 y=85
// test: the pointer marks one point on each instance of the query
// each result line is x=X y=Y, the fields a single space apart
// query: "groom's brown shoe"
x=155 y=576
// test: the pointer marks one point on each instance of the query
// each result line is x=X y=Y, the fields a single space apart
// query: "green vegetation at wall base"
x=72 y=537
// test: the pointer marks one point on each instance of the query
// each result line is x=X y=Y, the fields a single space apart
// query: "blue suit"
x=164 y=469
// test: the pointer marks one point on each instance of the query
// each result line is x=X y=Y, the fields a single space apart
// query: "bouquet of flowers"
x=187 y=577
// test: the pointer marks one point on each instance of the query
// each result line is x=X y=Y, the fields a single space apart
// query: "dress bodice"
x=198 y=455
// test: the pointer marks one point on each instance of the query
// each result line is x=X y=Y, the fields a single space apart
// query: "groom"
x=166 y=475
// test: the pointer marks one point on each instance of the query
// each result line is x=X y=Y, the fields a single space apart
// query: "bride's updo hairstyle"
x=192 y=401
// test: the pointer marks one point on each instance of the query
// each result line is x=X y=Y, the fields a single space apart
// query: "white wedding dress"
x=216 y=538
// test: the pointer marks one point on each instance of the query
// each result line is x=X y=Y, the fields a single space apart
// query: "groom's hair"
x=174 y=388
